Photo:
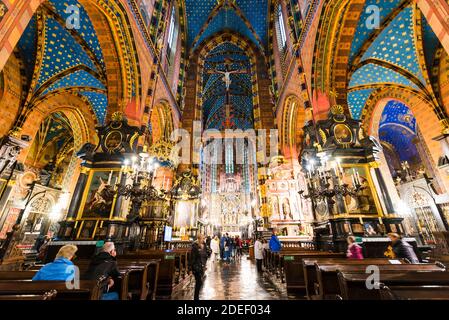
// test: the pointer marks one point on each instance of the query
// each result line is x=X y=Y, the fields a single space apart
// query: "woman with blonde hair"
x=62 y=268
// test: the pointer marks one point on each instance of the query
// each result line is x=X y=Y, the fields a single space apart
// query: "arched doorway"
x=405 y=152
x=52 y=150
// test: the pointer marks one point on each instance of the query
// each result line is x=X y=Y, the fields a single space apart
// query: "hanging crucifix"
x=227 y=80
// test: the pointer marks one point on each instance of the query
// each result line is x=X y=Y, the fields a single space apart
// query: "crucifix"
x=227 y=80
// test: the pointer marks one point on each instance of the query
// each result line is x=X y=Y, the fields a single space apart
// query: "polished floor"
x=237 y=280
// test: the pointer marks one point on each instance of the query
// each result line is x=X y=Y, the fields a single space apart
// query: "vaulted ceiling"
x=245 y=17
x=398 y=128
x=64 y=59
x=391 y=54
x=214 y=90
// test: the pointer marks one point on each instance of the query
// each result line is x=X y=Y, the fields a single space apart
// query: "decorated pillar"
x=14 y=18
x=96 y=211
x=348 y=193
x=436 y=13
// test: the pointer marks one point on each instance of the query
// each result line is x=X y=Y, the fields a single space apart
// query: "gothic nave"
x=224 y=149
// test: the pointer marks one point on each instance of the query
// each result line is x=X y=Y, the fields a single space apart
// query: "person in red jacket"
x=354 y=250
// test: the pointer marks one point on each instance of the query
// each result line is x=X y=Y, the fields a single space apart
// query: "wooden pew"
x=168 y=279
x=88 y=290
x=138 y=278
x=434 y=292
x=50 y=295
x=293 y=271
x=17 y=275
x=142 y=283
x=353 y=285
x=328 y=282
x=310 y=271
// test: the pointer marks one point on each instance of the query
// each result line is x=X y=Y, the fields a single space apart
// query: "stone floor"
x=237 y=280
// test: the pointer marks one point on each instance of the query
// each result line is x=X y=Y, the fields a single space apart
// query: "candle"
x=358 y=178
x=380 y=220
x=361 y=220
x=110 y=177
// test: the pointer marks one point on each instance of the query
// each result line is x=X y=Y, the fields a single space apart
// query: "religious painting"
x=10 y=221
x=145 y=7
x=112 y=233
x=370 y=229
x=361 y=199
x=184 y=211
x=357 y=228
x=286 y=209
x=342 y=134
x=100 y=194
x=87 y=229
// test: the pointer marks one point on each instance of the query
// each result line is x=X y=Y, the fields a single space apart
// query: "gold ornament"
x=337 y=109
x=117 y=116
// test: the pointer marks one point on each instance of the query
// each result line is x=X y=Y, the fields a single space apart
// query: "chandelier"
x=324 y=182
x=140 y=171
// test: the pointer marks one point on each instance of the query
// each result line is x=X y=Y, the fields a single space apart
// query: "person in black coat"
x=198 y=264
x=402 y=249
x=105 y=264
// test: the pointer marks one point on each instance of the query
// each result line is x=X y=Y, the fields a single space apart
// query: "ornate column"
x=14 y=18
x=437 y=13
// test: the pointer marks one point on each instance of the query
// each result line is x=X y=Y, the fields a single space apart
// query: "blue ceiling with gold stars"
x=201 y=24
x=240 y=114
x=398 y=128
x=363 y=29
x=71 y=59
x=388 y=56
x=396 y=44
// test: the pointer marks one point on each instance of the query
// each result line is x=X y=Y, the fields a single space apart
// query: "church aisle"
x=237 y=281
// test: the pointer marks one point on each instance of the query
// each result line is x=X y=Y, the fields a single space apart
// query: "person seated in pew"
x=105 y=264
x=354 y=250
x=402 y=249
x=61 y=269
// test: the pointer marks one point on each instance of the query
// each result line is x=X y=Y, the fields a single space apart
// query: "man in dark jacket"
x=104 y=264
x=402 y=249
x=198 y=264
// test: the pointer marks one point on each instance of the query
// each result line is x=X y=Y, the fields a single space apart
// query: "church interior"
x=304 y=139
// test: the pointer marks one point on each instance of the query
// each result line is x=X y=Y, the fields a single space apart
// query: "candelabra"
x=141 y=173
x=326 y=184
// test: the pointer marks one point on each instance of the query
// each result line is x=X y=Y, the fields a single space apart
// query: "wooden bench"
x=433 y=292
x=292 y=270
x=138 y=278
x=17 y=275
x=28 y=297
x=88 y=290
x=328 y=283
x=169 y=278
x=310 y=271
x=353 y=285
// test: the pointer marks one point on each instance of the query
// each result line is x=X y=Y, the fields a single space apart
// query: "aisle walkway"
x=237 y=281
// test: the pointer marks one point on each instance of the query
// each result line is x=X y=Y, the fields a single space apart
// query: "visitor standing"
x=258 y=254
x=198 y=264
x=215 y=247
x=275 y=243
